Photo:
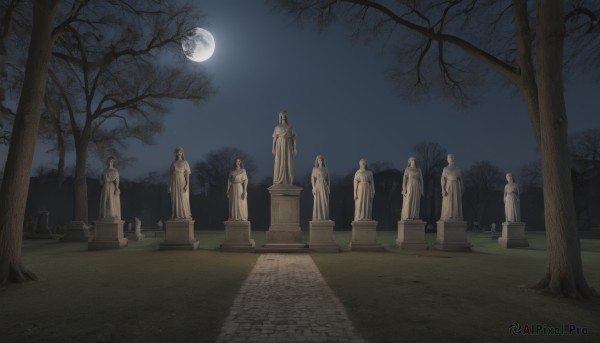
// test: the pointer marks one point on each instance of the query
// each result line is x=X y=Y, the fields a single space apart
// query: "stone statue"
x=237 y=187
x=179 y=182
x=512 y=206
x=284 y=149
x=412 y=190
x=320 y=190
x=452 y=190
x=364 y=191
x=110 y=201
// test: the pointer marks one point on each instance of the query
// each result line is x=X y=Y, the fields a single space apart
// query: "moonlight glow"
x=198 y=44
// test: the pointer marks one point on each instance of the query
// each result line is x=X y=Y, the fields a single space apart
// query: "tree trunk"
x=564 y=272
x=15 y=184
x=80 y=204
x=61 y=146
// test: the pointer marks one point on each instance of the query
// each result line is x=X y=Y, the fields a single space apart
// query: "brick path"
x=286 y=299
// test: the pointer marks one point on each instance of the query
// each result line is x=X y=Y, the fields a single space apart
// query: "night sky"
x=339 y=99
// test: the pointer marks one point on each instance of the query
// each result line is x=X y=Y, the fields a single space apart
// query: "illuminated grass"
x=141 y=294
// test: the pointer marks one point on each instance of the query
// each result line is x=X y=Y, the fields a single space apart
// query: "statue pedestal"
x=452 y=236
x=411 y=235
x=179 y=235
x=364 y=236
x=77 y=231
x=321 y=236
x=284 y=232
x=237 y=236
x=108 y=234
x=513 y=235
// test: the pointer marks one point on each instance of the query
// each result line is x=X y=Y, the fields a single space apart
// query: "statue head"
x=179 y=154
x=510 y=177
x=283 y=117
x=110 y=161
x=450 y=159
x=363 y=164
x=321 y=159
x=238 y=164
x=412 y=161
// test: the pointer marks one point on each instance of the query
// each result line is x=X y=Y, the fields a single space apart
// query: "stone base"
x=179 y=235
x=237 y=237
x=364 y=236
x=411 y=235
x=513 y=235
x=284 y=234
x=132 y=236
x=108 y=234
x=321 y=236
x=452 y=236
x=76 y=231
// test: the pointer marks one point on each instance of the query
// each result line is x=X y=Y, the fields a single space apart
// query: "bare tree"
x=15 y=183
x=431 y=158
x=585 y=144
x=444 y=39
x=113 y=83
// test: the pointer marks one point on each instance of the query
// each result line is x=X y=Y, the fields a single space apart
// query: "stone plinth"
x=237 y=236
x=513 y=235
x=411 y=235
x=77 y=231
x=284 y=232
x=364 y=236
x=108 y=234
x=452 y=236
x=321 y=236
x=179 y=235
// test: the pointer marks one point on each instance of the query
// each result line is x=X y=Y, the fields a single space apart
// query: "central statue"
x=284 y=149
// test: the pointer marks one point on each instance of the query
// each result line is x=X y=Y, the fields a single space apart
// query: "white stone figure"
x=512 y=206
x=138 y=225
x=110 y=198
x=412 y=190
x=452 y=190
x=179 y=187
x=364 y=191
x=237 y=187
x=320 y=189
x=284 y=149
x=160 y=224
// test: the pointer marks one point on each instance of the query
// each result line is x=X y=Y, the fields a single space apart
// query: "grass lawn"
x=141 y=294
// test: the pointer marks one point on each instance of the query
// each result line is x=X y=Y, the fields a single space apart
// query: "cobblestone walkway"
x=286 y=299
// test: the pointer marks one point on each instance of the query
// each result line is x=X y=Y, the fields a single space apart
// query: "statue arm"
x=245 y=183
x=228 y=185
x=404 y=182
x=372 y=185
x=355 y=186
x=313 y=178
x=274 y=140
x=443 y=181
x=169 y=190
x=117 y=184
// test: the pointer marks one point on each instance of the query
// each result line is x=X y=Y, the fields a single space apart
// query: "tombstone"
x=160 y=233
x=39 y=229
x=136 y=235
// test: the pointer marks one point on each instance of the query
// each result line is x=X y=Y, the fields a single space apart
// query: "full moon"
x=198 y=44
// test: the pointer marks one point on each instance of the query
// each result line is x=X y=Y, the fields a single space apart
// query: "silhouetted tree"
x=443 y=40
x=585 y=144
x=15 y=182
x=114 y=86
x=483 y=197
